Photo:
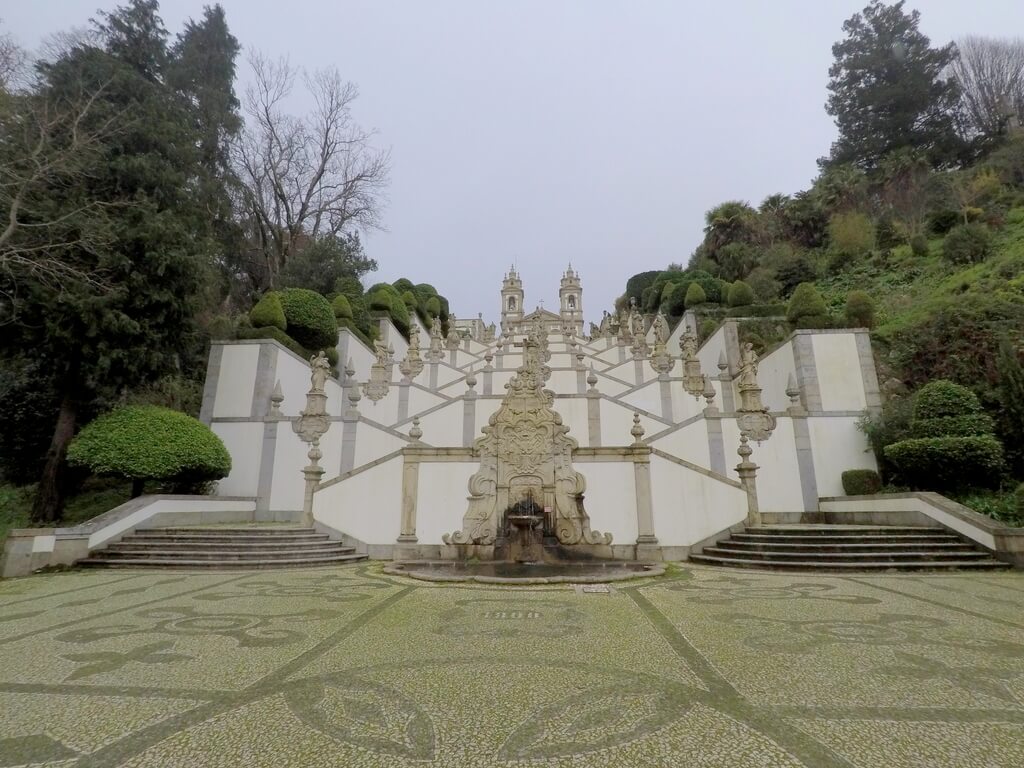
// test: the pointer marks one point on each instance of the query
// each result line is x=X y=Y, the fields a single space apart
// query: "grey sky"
x=549 y=131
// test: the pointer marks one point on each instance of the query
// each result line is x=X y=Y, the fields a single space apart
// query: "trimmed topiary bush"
x=860 y=310
x=147 y=442
x=695 y=296
x=941 y=397
x=311 y=320
x=270 y=332
x=342 y=308
x=409 y=298
x=379 y=301
x=806 y=302
x=948 y=463
x=269 y=312
x=861 y=482
x=968 y=425
x=967 y=244
x=740 y=294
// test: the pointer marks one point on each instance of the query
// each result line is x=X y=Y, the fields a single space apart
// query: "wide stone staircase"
x=223 y=547
x=848 y=548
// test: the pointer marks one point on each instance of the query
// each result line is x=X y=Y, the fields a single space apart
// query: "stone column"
x=665 y=385
x=410 y=489
x=641 y=455
x=593 y=411
x=312 y=472
x=747 y=471
x=403 y=398
x=349 y=425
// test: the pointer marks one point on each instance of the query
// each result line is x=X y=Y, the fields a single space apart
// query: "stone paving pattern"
x=349 y=667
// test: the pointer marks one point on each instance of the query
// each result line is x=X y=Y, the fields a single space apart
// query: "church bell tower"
x=511 y=302
x=570 y=296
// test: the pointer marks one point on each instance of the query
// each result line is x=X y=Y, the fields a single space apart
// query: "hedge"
x=942 y=397
x=861 y=482
x=695 y=296
x=379 y=300
x=311 y=320
x=740 y=294
x=269 y=311
x=148 y=442
x=280 y=336
x=758 y=310
x=947 y=463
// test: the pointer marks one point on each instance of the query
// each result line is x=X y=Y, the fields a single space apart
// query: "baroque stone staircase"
x=223 y=547
x=848 y=548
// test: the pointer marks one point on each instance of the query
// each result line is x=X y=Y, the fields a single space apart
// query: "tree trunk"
x=49 y=503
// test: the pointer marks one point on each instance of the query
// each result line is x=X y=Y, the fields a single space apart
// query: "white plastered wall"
x=443 y=427
x=367 y=505
x=689 y=443
x=372 y=443
x=617 y=421
x=837 y=446
x=773 y=372
x=236 y=380
x=441 y=498
x=610 y=498
x=244 y=441
x=711 y=351
x=778 y=476
x=689 y=506
x=361 y=356
x=289 y=459
x=839 y=377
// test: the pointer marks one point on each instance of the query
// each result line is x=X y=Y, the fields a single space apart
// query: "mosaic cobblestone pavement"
x=348 y=667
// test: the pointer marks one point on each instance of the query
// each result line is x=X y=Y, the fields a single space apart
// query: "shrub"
x=269 y=312
x=400 y=316
x=967 y=244
x=940 y=222
x=758 y=310
x=707 y=328
x=967 y=425
x=379 y=301
x=1018 y=496
x=851 y=234
x=740 y=294
x=948 y=463
x=402 y=285
x=919 y=245
x=433 y=306
x=342 y=307
x=147 y=442
x=805 y=302
x=349 y=286
x=860 y=310
x=220 y=327
x=666 y=295
x=311 y=320
x=695 y=296
x=270 y=332
x=861 y=482
x=941 y=398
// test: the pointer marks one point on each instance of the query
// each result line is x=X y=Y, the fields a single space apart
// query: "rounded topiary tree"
x=860 y=310
x=268 y=312
x=740 y=294
x=953 y=446
x=147 y=442
x=695 y=296
x=379 y=301
x=807 y=308
x=311 y=321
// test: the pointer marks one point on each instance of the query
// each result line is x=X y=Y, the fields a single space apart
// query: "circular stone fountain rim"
x=649 y=569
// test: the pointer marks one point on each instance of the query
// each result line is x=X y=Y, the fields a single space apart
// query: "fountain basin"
x=503 y=572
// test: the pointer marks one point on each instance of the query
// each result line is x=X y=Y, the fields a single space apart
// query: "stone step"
x=222 y=554
x=254 y=530
x=839 y=565
x=878 y=546
x=102 y=562
x=130 y=542
x=238 y=539
x=850 y=557
x=848 y=538
x=831 y=530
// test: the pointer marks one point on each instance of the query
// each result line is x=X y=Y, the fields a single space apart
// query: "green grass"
x=97 y=496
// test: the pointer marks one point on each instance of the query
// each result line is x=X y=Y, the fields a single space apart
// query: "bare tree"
x=48 y=143
x=308 y=176
x=13 y=62
x=990 y=73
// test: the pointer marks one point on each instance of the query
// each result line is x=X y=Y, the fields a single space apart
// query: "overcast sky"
x=547 y=131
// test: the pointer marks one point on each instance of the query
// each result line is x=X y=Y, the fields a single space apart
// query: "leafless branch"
x=990 y=73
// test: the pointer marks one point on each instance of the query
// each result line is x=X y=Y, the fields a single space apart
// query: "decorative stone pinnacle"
x=354 y=397
x=744 y=450
x=350 y=369
x=709 y=396
x=793 y=393
x=638 y=430
x=276 y=398
x=470 y=380
x=415 y=432
x=723 y=362
x=592 y=379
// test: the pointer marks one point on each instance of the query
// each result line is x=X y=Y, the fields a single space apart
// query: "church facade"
x=516 y=321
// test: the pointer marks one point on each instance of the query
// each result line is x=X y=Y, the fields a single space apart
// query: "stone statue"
x=383 y=353
x=693 y=379
x=748 y=366
x=414 y=337
x=637 y=324
x=321 y=369
x=660 y=329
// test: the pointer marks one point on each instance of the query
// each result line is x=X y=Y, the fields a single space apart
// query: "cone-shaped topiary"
x=860 y=310
x=695 y=296
x=342 y=307
x=269 y=312
x=147 y=442
x=311 y=320
x=379 y=301
x=807 y=308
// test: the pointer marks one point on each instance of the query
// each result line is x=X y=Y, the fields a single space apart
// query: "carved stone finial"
x=638 y=430
x=350 y=370
x=592 y=380
x=470 y=380
x=796 y=408
x=488 y=360
x=723 y=362
x=354 y=397
x=276 y=398
x=415 y=432
x=709 y=396
x=580 y=357
x=744 y=450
